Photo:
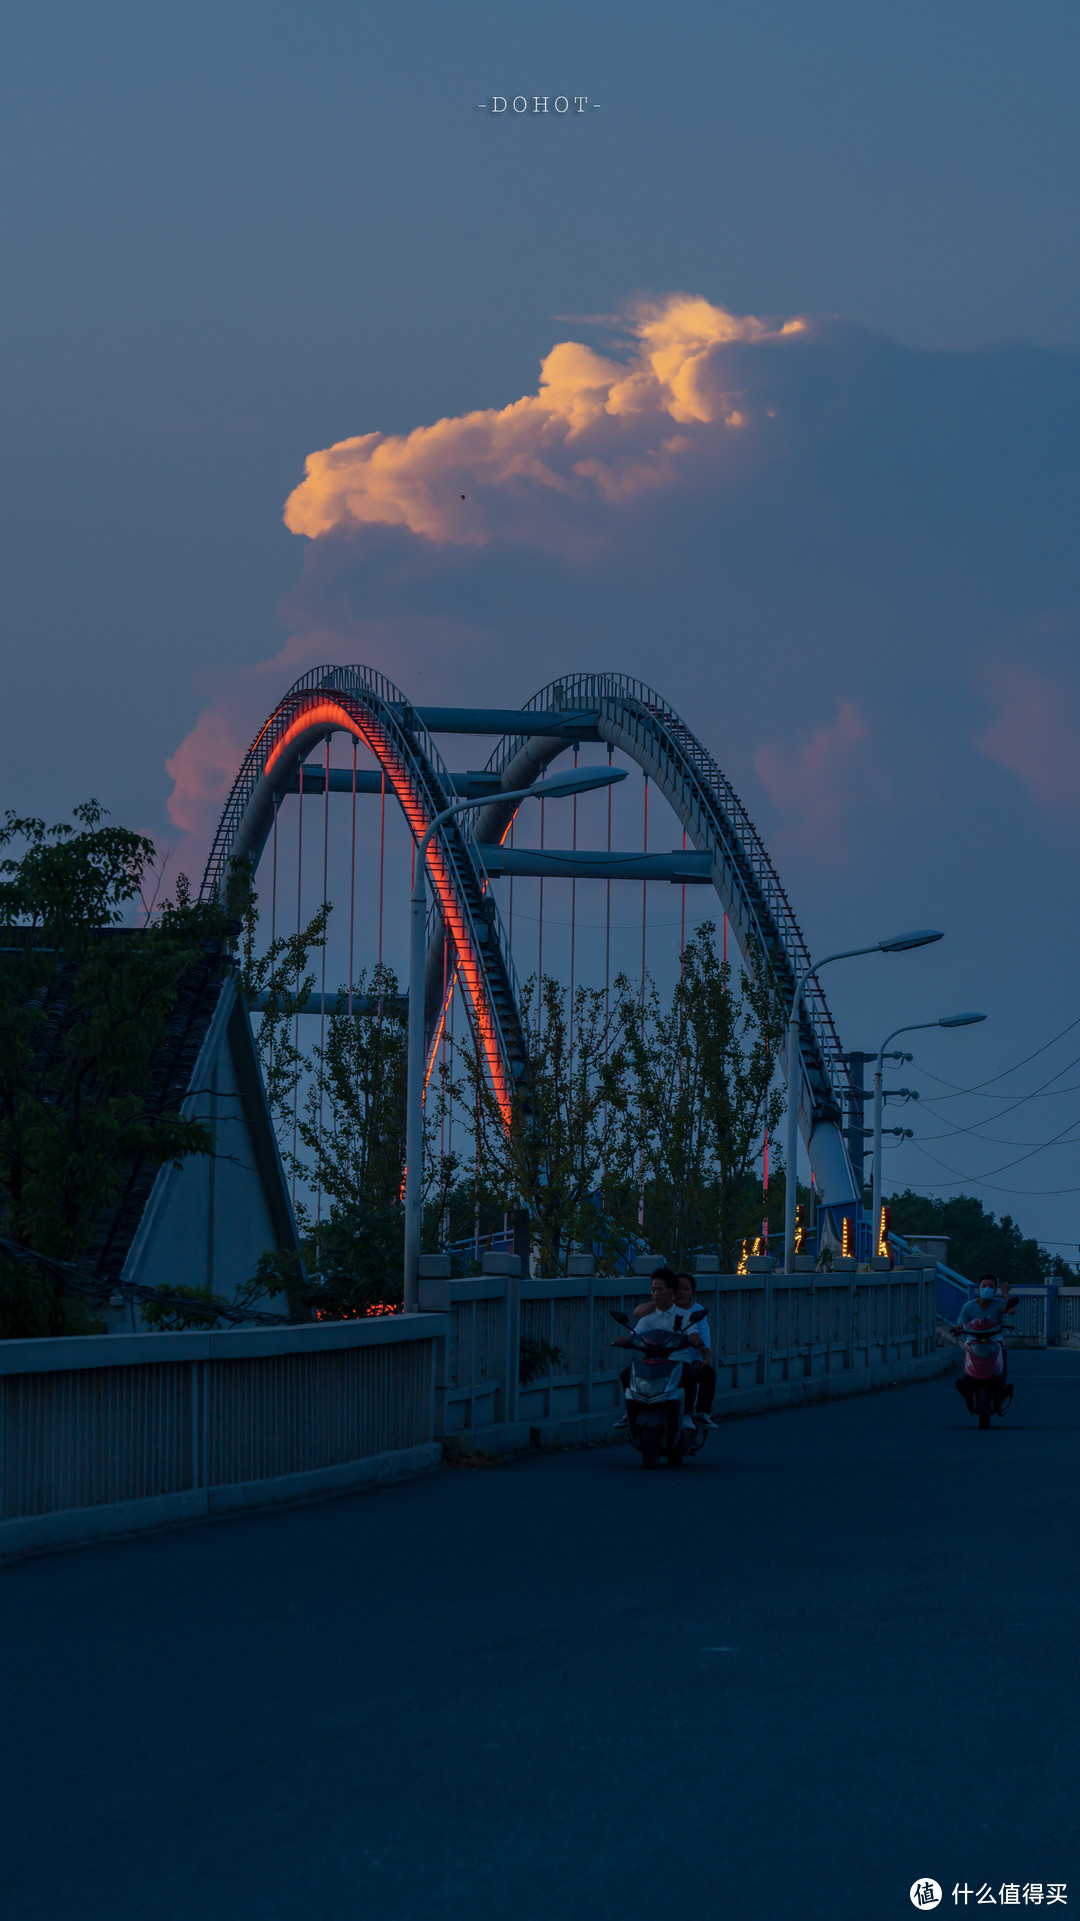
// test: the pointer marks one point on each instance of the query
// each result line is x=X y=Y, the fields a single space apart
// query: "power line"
x=1039 y=1148
x=1027 y=1193
x=935 y=1100
x=1021 y=1101
x=1005 y=1070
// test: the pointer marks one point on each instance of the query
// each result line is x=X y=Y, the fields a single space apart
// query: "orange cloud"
x=596 y=426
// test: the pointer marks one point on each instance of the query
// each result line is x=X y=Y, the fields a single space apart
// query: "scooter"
x=982 y=1383
x=655 y=1403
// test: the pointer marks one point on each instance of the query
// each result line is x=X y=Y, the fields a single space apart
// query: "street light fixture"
x=914 y=1027
x=555 y=787
x=896 y=944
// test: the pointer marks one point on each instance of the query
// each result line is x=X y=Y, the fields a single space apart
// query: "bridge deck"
x=476 y=1697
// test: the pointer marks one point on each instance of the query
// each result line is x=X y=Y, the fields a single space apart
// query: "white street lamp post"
x=553 y=789
x=897 y=944
x=913 y=1027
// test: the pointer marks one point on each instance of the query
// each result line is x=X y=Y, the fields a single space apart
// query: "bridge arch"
x=630 y=718
x=369 y=708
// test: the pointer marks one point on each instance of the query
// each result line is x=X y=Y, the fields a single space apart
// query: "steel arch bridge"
x=620 y=713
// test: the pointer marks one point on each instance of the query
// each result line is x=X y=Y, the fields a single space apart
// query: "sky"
x=760 y=377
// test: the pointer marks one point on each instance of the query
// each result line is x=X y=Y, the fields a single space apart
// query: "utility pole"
x=856 y=1096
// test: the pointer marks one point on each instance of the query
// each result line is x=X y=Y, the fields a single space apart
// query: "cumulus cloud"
x=800 y=532
x=596 y=428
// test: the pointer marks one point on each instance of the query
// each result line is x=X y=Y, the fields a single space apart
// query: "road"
x=832 y=1657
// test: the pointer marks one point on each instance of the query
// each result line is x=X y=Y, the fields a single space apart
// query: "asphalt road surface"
x=833 y=1657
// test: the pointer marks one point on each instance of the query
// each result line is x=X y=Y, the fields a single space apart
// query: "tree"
x=979 y=1243
x=702 y=1073
x=352 y=1123
x=339 y=1108
x=566 y=1151
x=84 y=1004
x=280 y=977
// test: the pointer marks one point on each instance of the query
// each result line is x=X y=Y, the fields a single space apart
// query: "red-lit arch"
x=307 y=716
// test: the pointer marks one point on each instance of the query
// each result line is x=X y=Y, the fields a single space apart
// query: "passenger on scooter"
x=699 y=1374
x=992 y=1304
x=658 y=1313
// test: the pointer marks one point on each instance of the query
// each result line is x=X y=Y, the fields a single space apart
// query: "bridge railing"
x=108 y=1434
x=103 y=1434
x=1068 y=1316
x=767 y=1330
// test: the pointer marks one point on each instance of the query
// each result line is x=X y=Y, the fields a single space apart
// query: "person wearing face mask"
x=991 y=1304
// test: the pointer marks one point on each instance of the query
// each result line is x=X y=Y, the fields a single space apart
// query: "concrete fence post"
x=507 y=1267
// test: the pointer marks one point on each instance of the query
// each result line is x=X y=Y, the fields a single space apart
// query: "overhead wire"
x=1005 y=1070
x=1021 y=1101
x=1040 y=1148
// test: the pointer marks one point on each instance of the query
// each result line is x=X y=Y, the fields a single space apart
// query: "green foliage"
x=345 y=1134
x=33 y=1307
x=642 y=1123
x=569 y=1149
x=536 y=1357
x=163 y=1316
x=67 y=883
x=467 y=1208
x=701 y=1074
x=349 y=1265
x=283 y=975
x=979 y=1243
x=352 y=1121
x=83 y=1007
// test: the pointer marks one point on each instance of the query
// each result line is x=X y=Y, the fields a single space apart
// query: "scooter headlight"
x=645 y=1390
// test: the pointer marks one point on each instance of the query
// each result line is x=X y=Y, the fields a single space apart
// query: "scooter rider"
x=699 y=1375
x=992 y=1305
x=659 y=1312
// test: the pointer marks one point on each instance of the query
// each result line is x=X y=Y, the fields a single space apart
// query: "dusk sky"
x=761 y=379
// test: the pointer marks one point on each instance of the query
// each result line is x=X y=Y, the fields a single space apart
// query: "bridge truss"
x=631 y=720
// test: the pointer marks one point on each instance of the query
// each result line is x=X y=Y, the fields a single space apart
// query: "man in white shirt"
x=658 y=1312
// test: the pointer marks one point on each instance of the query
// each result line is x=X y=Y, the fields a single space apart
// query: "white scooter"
x=655 y=1403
